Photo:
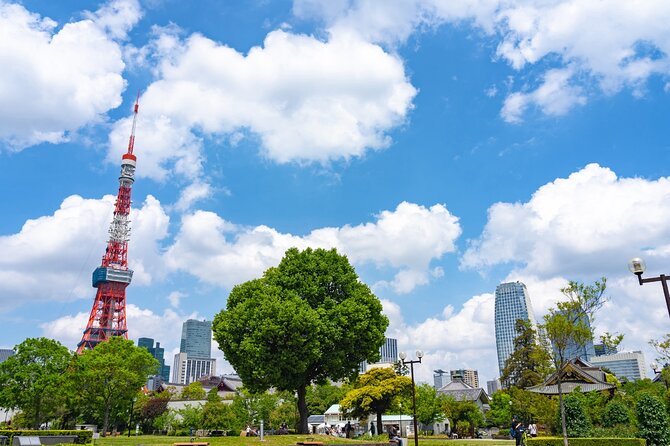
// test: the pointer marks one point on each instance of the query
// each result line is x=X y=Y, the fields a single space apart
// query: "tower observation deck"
x=108 y=315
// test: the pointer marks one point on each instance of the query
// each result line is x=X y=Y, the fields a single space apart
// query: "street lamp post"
x=637 y=267
x=403 y=357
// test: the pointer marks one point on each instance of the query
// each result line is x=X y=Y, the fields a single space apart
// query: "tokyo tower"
x=108 y=315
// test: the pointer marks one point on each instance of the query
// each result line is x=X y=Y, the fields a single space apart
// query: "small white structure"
x=402 y=421
x=333 y=417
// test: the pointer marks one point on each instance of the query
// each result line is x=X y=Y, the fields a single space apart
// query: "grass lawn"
x=278 y=440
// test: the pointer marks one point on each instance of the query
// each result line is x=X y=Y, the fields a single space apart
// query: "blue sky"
x=443 y=146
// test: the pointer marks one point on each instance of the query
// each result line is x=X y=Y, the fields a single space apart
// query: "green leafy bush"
x=83 y=436
x=577 y=421
x=615 y=412
x=652 y=420
x=557 y=441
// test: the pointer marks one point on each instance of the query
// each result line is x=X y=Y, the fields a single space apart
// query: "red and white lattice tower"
x=108 y=315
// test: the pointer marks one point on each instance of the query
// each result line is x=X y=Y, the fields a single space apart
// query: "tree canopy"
x=31 y=379
x=375 y=392
x=530 y=362
x=111 y=375
x=307 y=320
x=429 y=405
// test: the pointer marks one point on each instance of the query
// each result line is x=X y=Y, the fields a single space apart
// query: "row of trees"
x=49 y=383
x=378 y=391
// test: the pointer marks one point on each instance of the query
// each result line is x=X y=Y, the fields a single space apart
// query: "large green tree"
x=32 y=379
x=305 y=321
x=530 y=362
x=110 y=375
x=375 y=391
x=429 y=405
x=571 y=323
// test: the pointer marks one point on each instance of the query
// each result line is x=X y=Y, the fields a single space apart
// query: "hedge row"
x=83 y=436
x=558 y=441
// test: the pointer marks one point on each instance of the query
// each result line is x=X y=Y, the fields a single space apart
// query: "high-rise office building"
x=492 y=386
x=157 y=352
x=468 y=376
x=389 y=351
x=187 y=370
x=440 y=378
x=388 y=355
x=194 y=358
x=196 y=338
x=574 y=350
x=5 y=353
x=512 y=302
x=630 y=366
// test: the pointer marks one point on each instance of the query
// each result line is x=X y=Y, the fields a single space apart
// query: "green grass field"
x=278 y=440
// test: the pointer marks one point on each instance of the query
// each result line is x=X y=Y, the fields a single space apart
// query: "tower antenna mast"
x=108 y=314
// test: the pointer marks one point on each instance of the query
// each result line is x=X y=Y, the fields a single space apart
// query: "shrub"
x=616 y=431
x=463 y=428
x=615 y=412
x=652 y=420
x=556 y=441
x=576 y=420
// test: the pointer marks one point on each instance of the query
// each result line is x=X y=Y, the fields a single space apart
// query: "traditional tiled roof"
x=576 y=373
x=224 y=383
x=462 y=391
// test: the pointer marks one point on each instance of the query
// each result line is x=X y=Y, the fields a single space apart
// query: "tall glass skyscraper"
x=157 y=352
x=574 y=350
x=512 y=303
x=194 y=358
x=196 y=339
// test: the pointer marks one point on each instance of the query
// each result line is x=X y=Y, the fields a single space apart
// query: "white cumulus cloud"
x=406 y=240
x=453 y=339
x=591 y=221
x=57 y=80
x=51 y=257
x=308 y=100
x=608 y=44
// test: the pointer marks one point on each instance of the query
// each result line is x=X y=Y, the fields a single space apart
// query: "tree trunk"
x=560 y=401
x=302 y=410
x=37 y=418
x=380 y=426
x=105 y=423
